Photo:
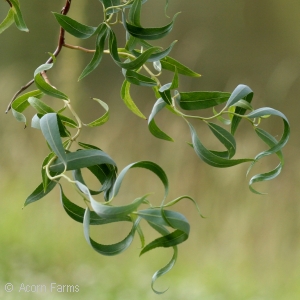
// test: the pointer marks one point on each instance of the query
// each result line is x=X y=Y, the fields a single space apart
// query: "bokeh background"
x=247 y=247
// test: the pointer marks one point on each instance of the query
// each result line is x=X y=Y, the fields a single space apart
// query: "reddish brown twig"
x=61 y=41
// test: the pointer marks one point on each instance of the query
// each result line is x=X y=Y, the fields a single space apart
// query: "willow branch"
x=61 y=41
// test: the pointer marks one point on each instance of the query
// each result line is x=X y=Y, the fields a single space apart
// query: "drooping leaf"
x=153 y=128
x=50 y=130
x=134 y=15
x=139 y=79
x=8 y=21
x=265 y=111
x=125 y=95
x=175 y=219
x=148 y=33
x=107 y=211
x=271 y=142
x=77 y=213
x=43 y=86
x=82 y=159
x=224 y=137
x=136 y=63
x=100 y=43
x=104 y=118
x=21 y=103
x=108 y=250
x=211 y=158
x=19 y=21
x=202 y=100
x=159 y=55
x=169 y=63
x=40 y=106
x=163 y=231
x=239 y=93
x=240 y=111
x=39 y=192
x=73 y=27
x=151 y=166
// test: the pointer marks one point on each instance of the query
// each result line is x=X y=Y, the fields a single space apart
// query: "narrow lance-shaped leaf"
x=8 y=21
x=169 y=63
x=211 y=158
x=134 y=15
x=202 y=100
x=153 y=128
x=151 y=166
x=77 y=213
x=139 y=79
x=240 y=111
x=175 y=219
x=136 y=63
x=104 y=118
x=73 y=27
x=97 y=57
x=21 y=103
x=224 y=137
x=19 y=21
x=40 y=106
x=265 y=111
x=125 y=95
x=44 y=86
x=271 y=142
x=50 y=130
x=148 y=33
x=239 y=93
x=82 y=159
x=108 y=250
x=168 y=267
x=159 y=55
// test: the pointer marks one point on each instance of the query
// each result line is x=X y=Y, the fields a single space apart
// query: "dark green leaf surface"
x=241 y=111
x=271 y=142
x=82 y=159
x=153 y=128
x=136 y=63
x=134 y=15
x=21 y=103
x=73 y=27
x=108 y=250
x=97 y=57
x=163 y=231
x=169 y=63
x=265 y=111
x=77 y=213
x=151 y=166
x=149 y=33
x=138 y=79
x=39 y=192
x=43 y=86
x=210 y=157
x=202 y=100
x=224 y=137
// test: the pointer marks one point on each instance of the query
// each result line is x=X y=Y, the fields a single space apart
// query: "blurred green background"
x=248 y=247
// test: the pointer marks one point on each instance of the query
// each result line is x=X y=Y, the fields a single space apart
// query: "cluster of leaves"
x=136 y=60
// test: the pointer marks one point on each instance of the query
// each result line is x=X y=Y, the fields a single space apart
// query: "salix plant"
x=142 y=64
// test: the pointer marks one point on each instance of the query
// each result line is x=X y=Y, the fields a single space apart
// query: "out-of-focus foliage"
x=229 y=206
